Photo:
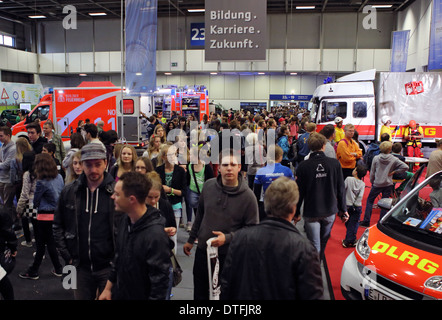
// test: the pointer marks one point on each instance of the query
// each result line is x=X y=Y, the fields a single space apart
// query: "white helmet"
x=385 y=119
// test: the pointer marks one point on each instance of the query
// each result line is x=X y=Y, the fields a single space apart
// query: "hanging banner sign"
x=141 y=45
x=399 y=51
x=235 y=30
x=435 y=56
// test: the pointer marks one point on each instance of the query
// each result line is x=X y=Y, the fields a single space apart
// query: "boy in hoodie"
x=384 y=166
x=226 y=205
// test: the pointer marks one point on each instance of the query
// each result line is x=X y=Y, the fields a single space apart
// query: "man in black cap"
x=85 y=222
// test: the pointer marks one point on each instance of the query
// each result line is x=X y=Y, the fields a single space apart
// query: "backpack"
x=372 y=151
x=293 y=150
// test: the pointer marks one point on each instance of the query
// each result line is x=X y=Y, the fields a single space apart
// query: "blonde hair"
x=386 y=146
x=159 y=126
x=310 y=127
x=155 y=178
x=163 y=152
x=134 y=155
x=152 y=144
x=22 y=145
x=71 y=172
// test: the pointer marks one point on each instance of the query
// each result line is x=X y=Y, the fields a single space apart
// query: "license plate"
x=376 y=295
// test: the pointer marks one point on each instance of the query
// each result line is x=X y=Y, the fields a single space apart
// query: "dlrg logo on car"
x=399 y=258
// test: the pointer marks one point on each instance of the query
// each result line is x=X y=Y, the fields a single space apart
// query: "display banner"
x=399 y=51
x=235 y=30
x=141 y=45
x=435 y=56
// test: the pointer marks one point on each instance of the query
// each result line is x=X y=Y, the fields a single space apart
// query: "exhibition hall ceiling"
x=22 y=10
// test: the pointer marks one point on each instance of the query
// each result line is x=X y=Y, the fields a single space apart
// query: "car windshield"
x=418 y=215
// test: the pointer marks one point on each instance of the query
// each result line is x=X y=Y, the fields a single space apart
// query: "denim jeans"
x=318 y=231
x=374 y=192
x=192 y=199
x=352 y=223
x=90 y=284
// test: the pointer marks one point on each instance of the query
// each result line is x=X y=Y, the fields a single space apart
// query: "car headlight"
x=362 y=247
x=434 y=283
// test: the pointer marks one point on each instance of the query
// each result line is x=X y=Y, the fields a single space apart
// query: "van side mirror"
x=385 y=203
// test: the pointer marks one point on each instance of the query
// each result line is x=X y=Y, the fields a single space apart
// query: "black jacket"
x=178 y=181
x=321 y=186
x=271 y=261
x=8 y=239
x=71 y=223
x=142 y=260
x=37 y=146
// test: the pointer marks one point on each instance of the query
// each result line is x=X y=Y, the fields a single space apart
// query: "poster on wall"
x=141 y=45
x=12 y=94
x=235 y=30
x=399 y=51
x=435 y=56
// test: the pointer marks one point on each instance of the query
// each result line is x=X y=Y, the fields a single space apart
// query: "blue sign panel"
x=435 y=57
x=141 y=46
x=197 y=34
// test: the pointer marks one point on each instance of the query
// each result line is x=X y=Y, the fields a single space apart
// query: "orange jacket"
x=343 y=153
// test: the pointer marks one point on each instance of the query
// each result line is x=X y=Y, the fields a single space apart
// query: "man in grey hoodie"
x=383 y=167
x=7 y=189
x=226 y=205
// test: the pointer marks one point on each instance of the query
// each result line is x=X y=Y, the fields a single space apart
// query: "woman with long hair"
x=155 y=200
x=22 y=145
x=126 y=161
x=47 y=191
x=154 y=147
x=283 y=142
x=169 y=127
x=75 y=168
x=159 y=131
x=197 y=172
x=144 y=165
x=77 y=142
x=173 y=178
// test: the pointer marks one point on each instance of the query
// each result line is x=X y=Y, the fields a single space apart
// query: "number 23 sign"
x=197 y=34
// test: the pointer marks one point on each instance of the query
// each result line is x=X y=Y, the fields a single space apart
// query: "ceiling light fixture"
x=196 y=10
x=382 y=6
x=167 y=73
x=37 y=17
x=305 y=7
x=96 y=14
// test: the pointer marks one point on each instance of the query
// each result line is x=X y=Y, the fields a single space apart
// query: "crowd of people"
x=115 y=215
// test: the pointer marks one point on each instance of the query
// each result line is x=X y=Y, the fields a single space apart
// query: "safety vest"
x=414 y=132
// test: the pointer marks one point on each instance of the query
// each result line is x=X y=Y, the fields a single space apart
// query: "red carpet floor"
x=334 y=252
